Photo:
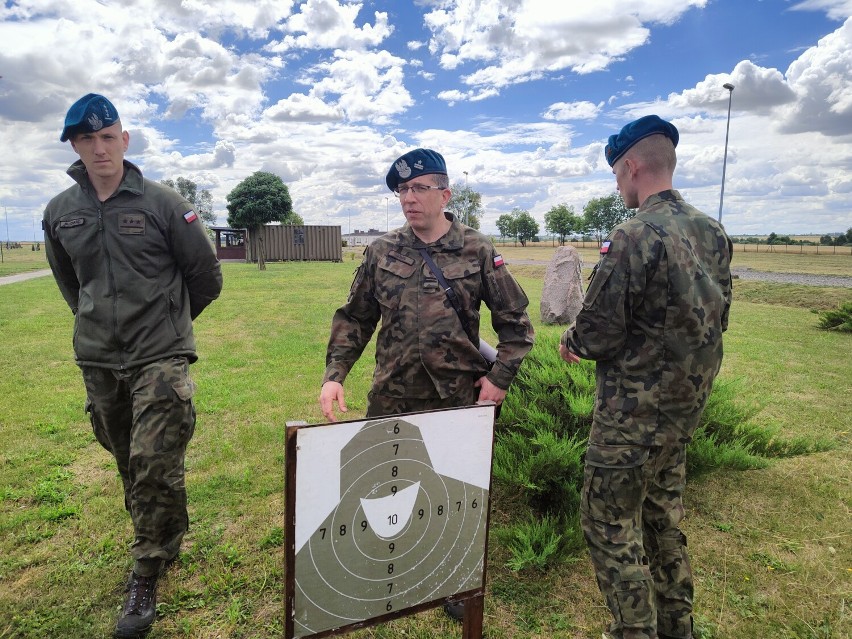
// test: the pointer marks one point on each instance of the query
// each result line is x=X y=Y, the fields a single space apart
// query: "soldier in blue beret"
x=652 y=319
x=637 y=130
x=135 y=267
x=428 y=353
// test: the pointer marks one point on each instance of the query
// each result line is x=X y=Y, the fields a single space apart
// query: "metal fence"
x=798 y=247
x=739 y=247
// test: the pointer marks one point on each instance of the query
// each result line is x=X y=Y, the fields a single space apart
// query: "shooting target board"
x=385 y=517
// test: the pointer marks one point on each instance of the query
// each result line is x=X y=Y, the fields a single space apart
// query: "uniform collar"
x=670 y=195
x=453 y=239
x=132 y=180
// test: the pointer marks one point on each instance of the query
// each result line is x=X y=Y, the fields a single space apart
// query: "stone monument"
x=562 y=296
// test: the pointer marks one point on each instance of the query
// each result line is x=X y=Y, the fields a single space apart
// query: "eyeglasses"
x=417 y=189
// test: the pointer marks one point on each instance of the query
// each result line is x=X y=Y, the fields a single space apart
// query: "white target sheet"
x=390 y=513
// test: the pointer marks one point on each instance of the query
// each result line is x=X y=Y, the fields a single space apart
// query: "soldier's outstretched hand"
x=332 y=392
x=567 y=355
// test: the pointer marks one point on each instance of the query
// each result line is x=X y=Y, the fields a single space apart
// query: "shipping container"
x=298 y=243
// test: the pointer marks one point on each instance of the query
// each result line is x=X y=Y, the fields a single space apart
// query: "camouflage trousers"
x=378 y=405
x=630 y=511
x=145 y=417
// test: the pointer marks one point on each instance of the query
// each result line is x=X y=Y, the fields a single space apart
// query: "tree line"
x=600 y=216
x=773 y=239
x=263 y=198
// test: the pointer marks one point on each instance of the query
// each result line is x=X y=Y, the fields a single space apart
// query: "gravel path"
x=742 y=273
x=21 y=277
x=794 y=278
x=750 y=274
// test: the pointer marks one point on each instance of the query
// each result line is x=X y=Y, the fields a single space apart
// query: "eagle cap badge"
x=403 y=169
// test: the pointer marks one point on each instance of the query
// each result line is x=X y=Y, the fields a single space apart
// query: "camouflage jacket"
x=653 y=318
x=422 y=350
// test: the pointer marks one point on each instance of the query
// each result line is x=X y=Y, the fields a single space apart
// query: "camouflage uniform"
x=653 y=318
x=135 y=271
x=149 y=447
x=424 y=358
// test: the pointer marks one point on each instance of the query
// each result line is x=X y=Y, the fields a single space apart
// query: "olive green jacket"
x=135 y=270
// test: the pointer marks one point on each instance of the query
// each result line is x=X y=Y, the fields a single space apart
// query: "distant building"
x=361 y=238
x=230 y=243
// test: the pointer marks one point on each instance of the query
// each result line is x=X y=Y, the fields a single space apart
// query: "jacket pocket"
x=616 y=456
x=392 y=279
x=172 y=311
x=601 y=274
x=613 y=483
x=466 y=281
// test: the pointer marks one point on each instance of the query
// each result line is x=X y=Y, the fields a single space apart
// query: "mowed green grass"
x=771 y=548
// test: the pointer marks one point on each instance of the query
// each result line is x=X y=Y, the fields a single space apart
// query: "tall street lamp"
x=730 y=88
x=466 y=215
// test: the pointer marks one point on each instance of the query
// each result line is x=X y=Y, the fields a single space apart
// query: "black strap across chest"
x=448 y=290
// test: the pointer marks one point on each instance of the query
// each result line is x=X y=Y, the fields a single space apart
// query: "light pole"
x=730 y=88
x=466 y=215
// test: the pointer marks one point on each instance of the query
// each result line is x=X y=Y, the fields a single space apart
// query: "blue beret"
x=413 y=164
x=635 y=131
x=90 y=113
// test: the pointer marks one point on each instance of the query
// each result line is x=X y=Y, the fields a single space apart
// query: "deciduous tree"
x=466 y=205
x=260 y=199
x=201 y=200
x=506 y=225
x=602 y=214
x=562 y=221
x=526 y=228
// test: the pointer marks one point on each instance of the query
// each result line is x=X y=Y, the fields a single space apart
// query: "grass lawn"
x=21 y=260
x=771 y=549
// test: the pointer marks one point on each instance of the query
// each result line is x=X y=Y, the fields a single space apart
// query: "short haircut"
x=656 y=152
x=441 y=180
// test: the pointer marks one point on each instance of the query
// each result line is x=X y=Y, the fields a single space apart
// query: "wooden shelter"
x=230 y=243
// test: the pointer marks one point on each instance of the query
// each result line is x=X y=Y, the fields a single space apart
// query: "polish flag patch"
x=605 y=248
x=190 y=216
x=498 y=261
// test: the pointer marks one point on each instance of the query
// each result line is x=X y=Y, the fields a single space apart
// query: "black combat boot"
x=140 y=609
x=454 y=610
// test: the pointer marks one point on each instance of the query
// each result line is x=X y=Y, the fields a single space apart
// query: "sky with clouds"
x=518 y=95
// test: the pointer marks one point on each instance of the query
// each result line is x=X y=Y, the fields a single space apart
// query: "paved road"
x=750 y=274
x=21 y=277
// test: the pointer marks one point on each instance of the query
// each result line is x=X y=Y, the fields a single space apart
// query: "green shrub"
x=542 y=435
x=540 y=543
x=839 y=319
